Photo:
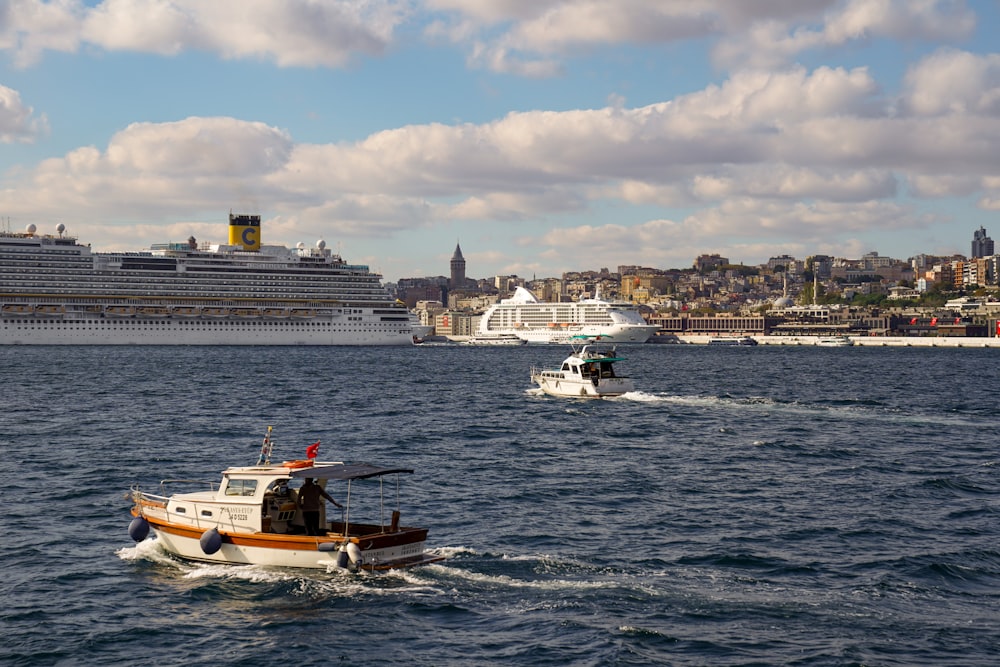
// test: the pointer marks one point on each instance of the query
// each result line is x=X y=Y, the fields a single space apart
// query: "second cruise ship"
x=55 y=291
x=536 y=321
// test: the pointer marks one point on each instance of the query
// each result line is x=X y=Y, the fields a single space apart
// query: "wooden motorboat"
x=253 y=517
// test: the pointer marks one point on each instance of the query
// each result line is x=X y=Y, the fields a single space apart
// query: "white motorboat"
x=253 y=517
x=834 y=341
x=732 y=340
x=496 y=339
x=588 y=372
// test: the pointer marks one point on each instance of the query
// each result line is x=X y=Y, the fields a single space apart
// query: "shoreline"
x=858 y=341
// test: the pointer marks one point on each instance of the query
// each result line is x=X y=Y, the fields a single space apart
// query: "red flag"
x=312 y=450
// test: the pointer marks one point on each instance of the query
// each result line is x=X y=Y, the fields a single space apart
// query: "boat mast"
x=265 y=449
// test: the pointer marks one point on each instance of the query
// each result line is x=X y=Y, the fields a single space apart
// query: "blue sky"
x=543 y=135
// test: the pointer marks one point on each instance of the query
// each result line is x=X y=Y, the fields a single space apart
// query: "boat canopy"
x=599 y=359
x=345 y=471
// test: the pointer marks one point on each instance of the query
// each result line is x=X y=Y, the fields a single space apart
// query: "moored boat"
x=732 y=340
x=524 y=316
x=588 y=372
x=195 y=293
x=496 y=339
x=834 y=341
x=255 y=516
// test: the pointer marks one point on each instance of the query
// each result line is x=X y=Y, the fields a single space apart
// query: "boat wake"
x=493 y=572
x=855 y=409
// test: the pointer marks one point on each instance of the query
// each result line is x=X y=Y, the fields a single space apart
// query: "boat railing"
x=209 y=485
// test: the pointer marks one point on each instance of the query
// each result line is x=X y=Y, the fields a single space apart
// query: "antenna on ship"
x=265 y=449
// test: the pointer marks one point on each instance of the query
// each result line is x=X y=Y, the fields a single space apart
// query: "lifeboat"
x=50 y=310
x=119 y=311
x=15 y=309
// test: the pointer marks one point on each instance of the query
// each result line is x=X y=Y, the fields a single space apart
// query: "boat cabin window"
x=241 y=487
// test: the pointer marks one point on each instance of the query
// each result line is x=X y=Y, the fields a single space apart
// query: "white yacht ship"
x=55 y=291
x=536 y=321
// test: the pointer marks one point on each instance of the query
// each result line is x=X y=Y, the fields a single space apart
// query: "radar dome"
x=783 y=302
x=31 y=229
x=60 y=228
x=300 y=245
x=321 y=244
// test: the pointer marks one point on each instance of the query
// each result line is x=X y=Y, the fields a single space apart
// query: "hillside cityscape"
x=873 y=295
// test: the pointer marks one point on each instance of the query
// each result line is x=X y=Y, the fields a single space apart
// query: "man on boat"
x=309 y=499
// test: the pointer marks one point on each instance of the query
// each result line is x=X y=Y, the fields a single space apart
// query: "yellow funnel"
x=244 y=230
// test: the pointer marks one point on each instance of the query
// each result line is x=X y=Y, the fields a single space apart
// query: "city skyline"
x=980 y=242
x=542 y=136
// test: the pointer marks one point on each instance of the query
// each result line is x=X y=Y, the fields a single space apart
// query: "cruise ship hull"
x=177 y=332
x=56 y=291
x=619 y=334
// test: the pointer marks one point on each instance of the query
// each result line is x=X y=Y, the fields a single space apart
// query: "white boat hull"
x=189 y=331
x=568 y=387
x=298 y=551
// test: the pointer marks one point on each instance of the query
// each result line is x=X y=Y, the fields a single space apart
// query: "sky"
x=543 y=136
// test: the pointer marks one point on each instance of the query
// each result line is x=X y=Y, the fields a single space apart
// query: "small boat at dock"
x=732 y=340
x=834 y=341
x=496 y=339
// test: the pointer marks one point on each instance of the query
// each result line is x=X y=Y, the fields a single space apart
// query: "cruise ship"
x=55 y=291
x=536 y=321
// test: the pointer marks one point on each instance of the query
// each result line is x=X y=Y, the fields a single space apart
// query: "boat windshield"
x=241 y=487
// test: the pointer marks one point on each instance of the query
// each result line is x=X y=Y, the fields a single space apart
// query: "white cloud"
x=524 y=37
x=775 y=40
x=303 y=33
x=18 y=122
x=530 y=37
x=951 y=81
x=785 y=155
x=30 y=27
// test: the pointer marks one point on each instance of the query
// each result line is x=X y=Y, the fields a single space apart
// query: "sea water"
x=744 y=506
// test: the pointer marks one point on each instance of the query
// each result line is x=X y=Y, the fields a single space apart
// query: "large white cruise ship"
x=539 y=322
x=55 y=291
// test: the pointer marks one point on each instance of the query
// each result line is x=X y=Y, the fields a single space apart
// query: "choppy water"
x=748 y=506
